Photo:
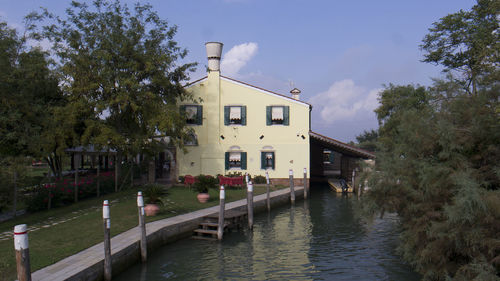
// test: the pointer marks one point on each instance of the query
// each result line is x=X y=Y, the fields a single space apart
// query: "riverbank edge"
x=125 y=250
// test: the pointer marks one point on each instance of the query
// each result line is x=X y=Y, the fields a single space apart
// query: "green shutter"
x=268 y=115
x=199 y=115
x=226 y=115
x=243 y=115
x=274 y=160
x=286 y=115
x=227 y=161
x=331 y=157
x=263 y=160
x=243 y=160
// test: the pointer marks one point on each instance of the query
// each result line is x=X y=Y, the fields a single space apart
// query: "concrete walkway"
x=88 y=264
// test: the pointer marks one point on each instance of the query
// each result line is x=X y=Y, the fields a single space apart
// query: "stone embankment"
x=89 y=264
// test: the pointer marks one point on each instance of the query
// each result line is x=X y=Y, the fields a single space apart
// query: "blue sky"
x=338 y=53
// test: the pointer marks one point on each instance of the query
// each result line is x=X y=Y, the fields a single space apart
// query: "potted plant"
x=152 y=195
x=202 y=184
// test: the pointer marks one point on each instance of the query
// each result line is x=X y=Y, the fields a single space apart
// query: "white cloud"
x=344 y=100
x=237 y=58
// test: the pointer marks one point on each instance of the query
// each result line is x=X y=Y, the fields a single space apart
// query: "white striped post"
x=268 y=200
x=107 y=240
x=306 y=186
x=250 y=204
x=142 y=227
x=22 y=252
x=222 y=208
x=353 y=177
x=246 y=178
x=292 y=188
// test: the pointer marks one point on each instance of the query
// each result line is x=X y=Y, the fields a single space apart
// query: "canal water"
x=317 y=239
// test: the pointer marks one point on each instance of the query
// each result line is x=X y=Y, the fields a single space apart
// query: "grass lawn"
x=83 y=224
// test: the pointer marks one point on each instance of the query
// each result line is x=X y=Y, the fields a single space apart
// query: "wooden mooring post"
x=222 y=208
x=76 y=183
x=250 y=204
x=306 y=186
x=22 y=252
x=107 y=240
x=142 y=227
x=268 y=199
x=292 y=188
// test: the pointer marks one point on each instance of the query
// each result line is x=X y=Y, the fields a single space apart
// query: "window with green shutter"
x=243 y=160
x=267 y=160
x=235 y=160
x=235 y=115
x=277 y=115
x=193 y=113
x=227 y=161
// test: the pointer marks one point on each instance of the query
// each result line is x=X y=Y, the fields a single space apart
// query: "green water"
x=318 y=239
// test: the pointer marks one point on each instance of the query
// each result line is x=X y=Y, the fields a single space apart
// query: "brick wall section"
x=286 y=182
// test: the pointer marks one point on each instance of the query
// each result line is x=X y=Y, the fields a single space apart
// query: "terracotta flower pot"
x=203 y=197
x=151 y=209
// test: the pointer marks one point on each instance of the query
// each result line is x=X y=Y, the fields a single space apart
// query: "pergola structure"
x=341 y=161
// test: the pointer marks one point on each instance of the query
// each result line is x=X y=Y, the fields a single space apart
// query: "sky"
x=340 y=54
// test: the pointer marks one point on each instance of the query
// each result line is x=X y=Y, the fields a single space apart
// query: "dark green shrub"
x=205 y=182
x=153 y=192
x=259 y=179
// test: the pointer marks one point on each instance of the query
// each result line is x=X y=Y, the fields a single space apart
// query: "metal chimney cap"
x=295 y=91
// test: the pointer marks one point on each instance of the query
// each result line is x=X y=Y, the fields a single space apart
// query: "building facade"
x=242 y=128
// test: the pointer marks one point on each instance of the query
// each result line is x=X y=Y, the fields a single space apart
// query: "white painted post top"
x=140 y=199
x=105 y=209
x=267 y=177
x=20 y=237
x=222 y=192
x=246 y=177
x=290 y=172
x=250 y=187
x=305 y=170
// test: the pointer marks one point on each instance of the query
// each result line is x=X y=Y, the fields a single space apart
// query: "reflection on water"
x=317 y=239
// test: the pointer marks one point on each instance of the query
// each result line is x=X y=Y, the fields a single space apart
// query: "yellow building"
x=243 y=128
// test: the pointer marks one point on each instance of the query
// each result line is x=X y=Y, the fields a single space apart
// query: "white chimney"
x=295 y=93
x=214 y=52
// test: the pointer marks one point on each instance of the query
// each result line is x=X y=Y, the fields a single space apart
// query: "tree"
x=120 y=74
x=28 y=93
x=437 y=163
x=468 y=42
x=368 y=140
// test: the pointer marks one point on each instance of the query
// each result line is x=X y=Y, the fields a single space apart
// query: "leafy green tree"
x=28 y=93
x=437 y=163
x=120 y=74
x=368 y=140
x=467 y=42
x=438 y=169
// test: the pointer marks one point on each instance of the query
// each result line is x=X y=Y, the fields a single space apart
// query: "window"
x=277 y=115
x=194 y=114
x=267 y=160
x=235 y=115
x=236 y=160
x=328 y=156
x=191 y=139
